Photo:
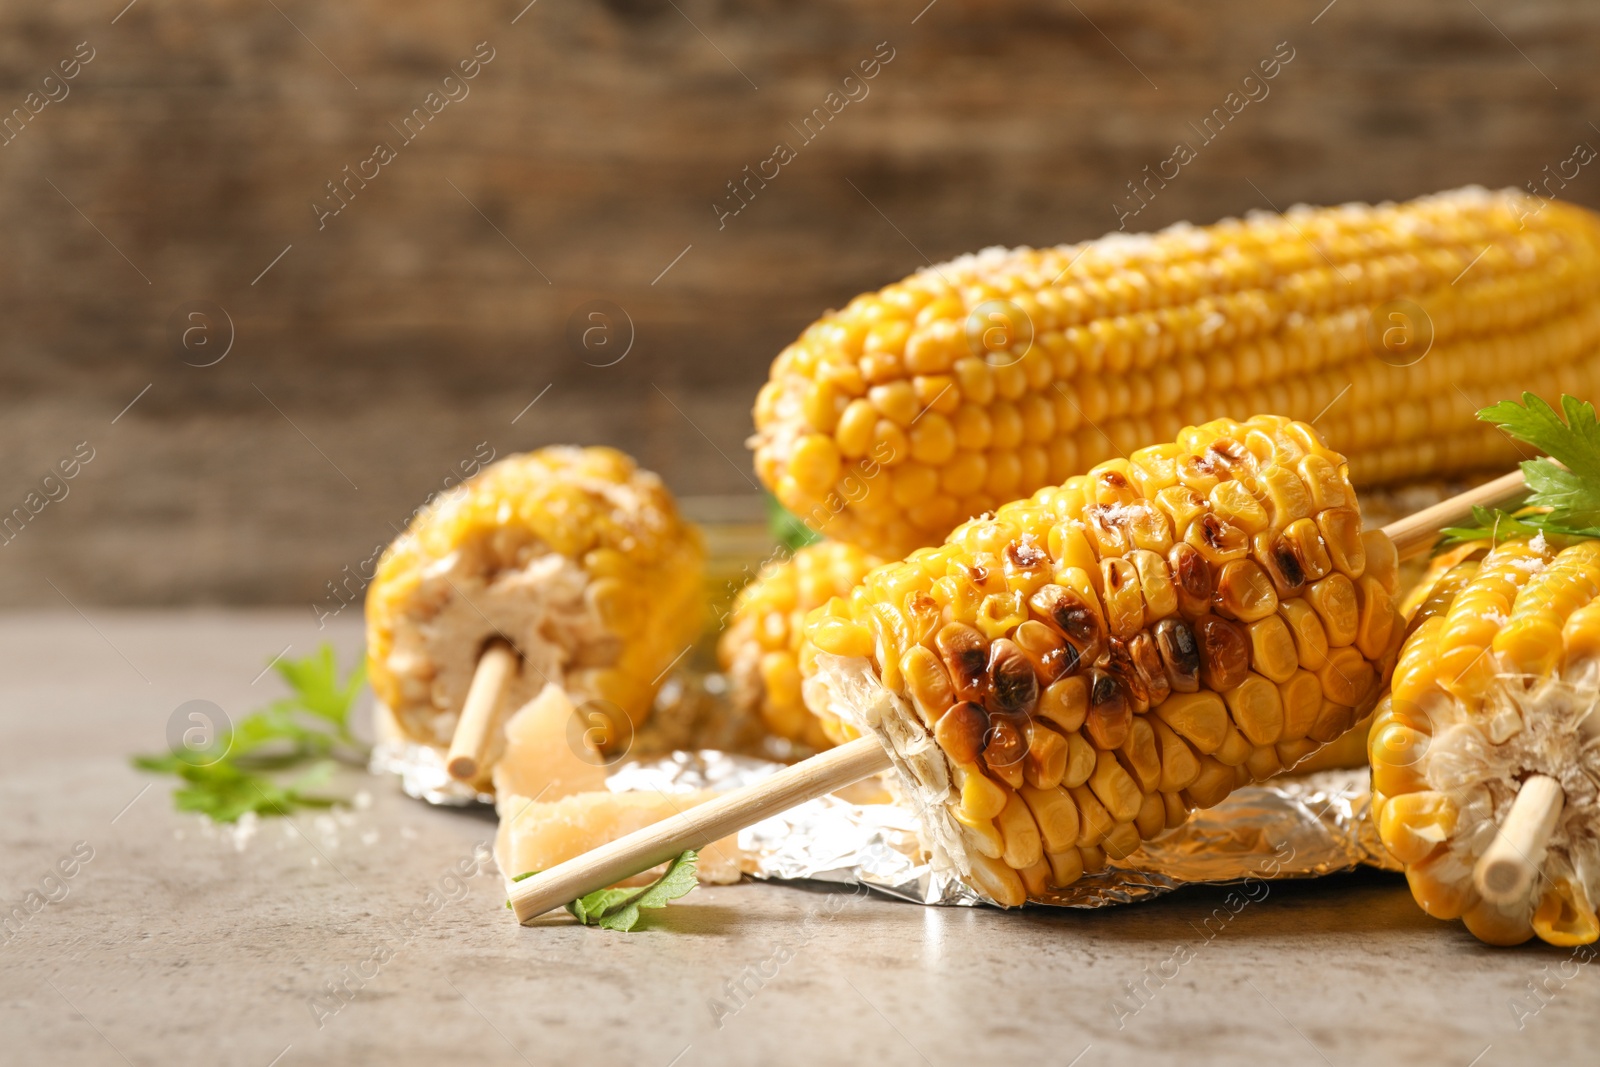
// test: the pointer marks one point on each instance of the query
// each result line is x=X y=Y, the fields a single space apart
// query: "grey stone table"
x=174 y=944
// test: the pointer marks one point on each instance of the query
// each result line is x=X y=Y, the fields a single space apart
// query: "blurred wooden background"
x=583 y=164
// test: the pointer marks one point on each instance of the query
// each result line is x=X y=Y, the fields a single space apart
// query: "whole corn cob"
x=575 y=555
x=981 y=380
x=760 y=648
x=1070 y=676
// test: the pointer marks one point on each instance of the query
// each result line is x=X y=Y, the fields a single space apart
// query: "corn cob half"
x=575 y=555
x=760 y=648
x=1070 y=676
x=1497 y=687
x=981 y=380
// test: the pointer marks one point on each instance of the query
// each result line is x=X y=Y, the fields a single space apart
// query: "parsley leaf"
x=312 y=725
x=1571 y=490
x=1564 y=489
x=618 y=909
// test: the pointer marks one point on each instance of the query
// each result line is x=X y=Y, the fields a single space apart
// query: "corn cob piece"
x=574 y=555
x=1495 y=693
x=760 y=649
x=979 y=381
x=1094 y=661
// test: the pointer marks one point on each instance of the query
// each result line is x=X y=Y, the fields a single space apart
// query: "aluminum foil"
x=1295 y=827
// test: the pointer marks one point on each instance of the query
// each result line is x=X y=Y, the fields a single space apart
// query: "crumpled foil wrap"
x=1294 y=827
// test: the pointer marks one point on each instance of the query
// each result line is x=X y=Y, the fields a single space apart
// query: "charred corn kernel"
x=1056 y=816
x=1482 y=702
x=1091 y=639
x=523 y=531
x=1092 y=345
x=1305 y=547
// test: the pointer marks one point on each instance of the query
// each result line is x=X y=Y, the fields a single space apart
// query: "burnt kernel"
x=1180 y=654
x=961 y=732
x=1109 y=718
x=1224 y=652
x=1071 y=617
x=1227 y=452
x=1025 y=554
x=1119 y=664
x=1050 y=656
x=1191 y=577
x=1005 y=744
x=1287 y=567
x=965 y=654
x=1012 y=687
x=1147 y=662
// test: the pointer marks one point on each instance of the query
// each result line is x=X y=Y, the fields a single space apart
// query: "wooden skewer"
x=495 y=668
x=1415 y=534
x=697 y=827
x=850 y=763
x=1507 y=868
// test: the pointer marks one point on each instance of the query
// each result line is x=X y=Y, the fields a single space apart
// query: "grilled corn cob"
x=1496 y=688
x=760 y=648
x=575 y=555
x=981 y=380
x=1091 y=663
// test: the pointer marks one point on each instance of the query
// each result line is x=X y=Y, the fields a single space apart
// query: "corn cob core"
x=760 y=648
x=1498 y=680
x=1085 y=666
x=981 y=380
x=574 y=554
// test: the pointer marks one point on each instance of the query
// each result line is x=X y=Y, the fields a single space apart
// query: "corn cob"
x=1094 y=661
x=760 y=648
x=1495 y=690
x=575 y=555
x=981 y=380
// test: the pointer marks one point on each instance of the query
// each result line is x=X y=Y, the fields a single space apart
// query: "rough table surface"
x=174 y=945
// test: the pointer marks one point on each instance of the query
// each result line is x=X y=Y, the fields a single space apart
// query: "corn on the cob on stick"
x=981 y=380
x=574 y=556
x=760 y=649
x=1093 y=662
x=1486 y=752
x=1496 y=687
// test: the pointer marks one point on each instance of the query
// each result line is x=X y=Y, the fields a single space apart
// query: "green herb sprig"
x=618 y=909
x=786 y=527
x=234 y=775
x=1564 y=484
